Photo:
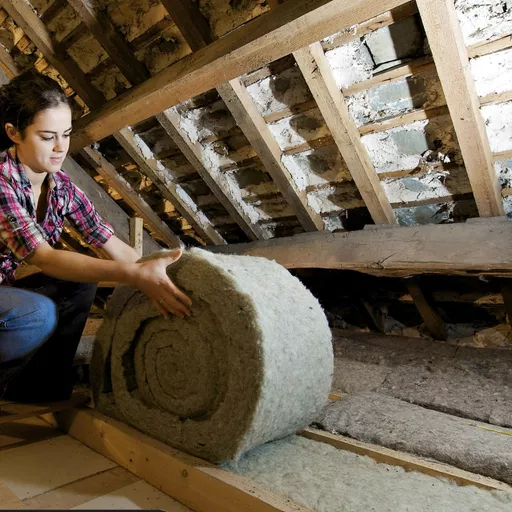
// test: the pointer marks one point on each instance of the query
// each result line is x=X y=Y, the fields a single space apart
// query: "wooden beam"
x=451 y=57
x=394 y=251
x=112 y=41
x=192 y=24
x=106 y=170
x=239 y=102
x=22 y=13
x=248 y=118
x=105 y=205
x=427 y=309
x=212 y=176
x=136 y=234
x=175 y=193
x=53 y=10
x=271 y=36
x=405 y=460
x=320 y=79
x=196 y=483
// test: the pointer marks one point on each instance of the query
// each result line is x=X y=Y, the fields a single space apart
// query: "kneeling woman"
x=42 y=316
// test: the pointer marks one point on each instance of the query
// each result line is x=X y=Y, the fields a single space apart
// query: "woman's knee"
x=27 y=320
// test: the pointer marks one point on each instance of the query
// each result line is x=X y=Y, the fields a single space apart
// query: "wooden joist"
x=470 y=248
x=198 y=484
x=22 y=13
x=136 y=233
x=239 y=102
x=289 y=27
x=112 y=41
x=175 y=193
x=131 y=196
x=212 y=176
x=451 y=58
x=321 y=81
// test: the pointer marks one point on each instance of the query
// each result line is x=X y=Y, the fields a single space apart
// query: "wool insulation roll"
x=253 y=363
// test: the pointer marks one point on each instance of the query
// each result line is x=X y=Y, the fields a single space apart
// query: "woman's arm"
x=120 y=251
x=149 y=277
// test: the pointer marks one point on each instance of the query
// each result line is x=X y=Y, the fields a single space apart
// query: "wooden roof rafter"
x=197 y=33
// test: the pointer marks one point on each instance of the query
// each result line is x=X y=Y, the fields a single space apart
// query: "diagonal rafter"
x=105 y=169
x=318 y=75
x=289 y=27
x=195 y=29
x=153 y=168
x=451 y=58
x=112 y=41
x=212 y=176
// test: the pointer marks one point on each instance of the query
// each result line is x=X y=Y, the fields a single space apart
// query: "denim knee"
x=27 y=320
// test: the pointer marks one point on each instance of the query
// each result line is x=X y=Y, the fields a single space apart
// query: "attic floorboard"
x=42 y=468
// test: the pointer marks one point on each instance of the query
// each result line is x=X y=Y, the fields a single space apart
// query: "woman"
x=42 y=316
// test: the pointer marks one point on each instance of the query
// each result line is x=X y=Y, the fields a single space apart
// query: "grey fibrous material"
x=253 y=363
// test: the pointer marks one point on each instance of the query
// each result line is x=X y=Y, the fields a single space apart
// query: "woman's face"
x=46 y=141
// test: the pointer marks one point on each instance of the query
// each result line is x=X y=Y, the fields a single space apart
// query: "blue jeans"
x=41 y=323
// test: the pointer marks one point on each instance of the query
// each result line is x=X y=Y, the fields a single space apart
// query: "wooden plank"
x=248 y=118
x=54 y=9
x=106 y=206
x=415 y=67
x=212 y=176
x=447 y=249
x=136 y=233
x=175 y=193
x=496 y=97
x=75 y=35
x=451 y=57
x=112 y=41
x=192 y=481
x=502 y=155
x=22 y=13
x=320 y=79
x=416 y=115
x=406 y=461
x=126 y=191
x=485 y=48
x=427 y=309
x=271 y=36
x=79 y=492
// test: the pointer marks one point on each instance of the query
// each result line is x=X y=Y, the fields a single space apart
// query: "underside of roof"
x=401 y=115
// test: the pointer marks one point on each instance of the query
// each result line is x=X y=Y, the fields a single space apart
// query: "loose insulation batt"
x=253 y=363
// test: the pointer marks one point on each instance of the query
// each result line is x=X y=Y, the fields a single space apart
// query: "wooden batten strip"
x=290 y=111
x=212 y=176
x=406 y=461
x=410 y=117
x=53 y=10
x=194 y=482
x=451 y=57
x=106 y=170
x=271 y=36
x=318 y=75
x=485 y=48
x=75 y=35
x=7 y=63
x=502 y=155
x=383 y=20
x=496 y=97
x=173 y=192
x=22 y=13
x=416 y=67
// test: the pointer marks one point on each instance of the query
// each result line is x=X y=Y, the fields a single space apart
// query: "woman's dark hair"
x=22 y=98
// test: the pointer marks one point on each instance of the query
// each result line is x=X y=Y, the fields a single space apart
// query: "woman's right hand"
x=151 y=278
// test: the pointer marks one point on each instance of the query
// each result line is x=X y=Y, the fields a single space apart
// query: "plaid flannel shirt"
x=20 y=233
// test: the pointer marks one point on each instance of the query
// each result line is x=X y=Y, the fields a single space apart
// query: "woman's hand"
x=151 y=278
